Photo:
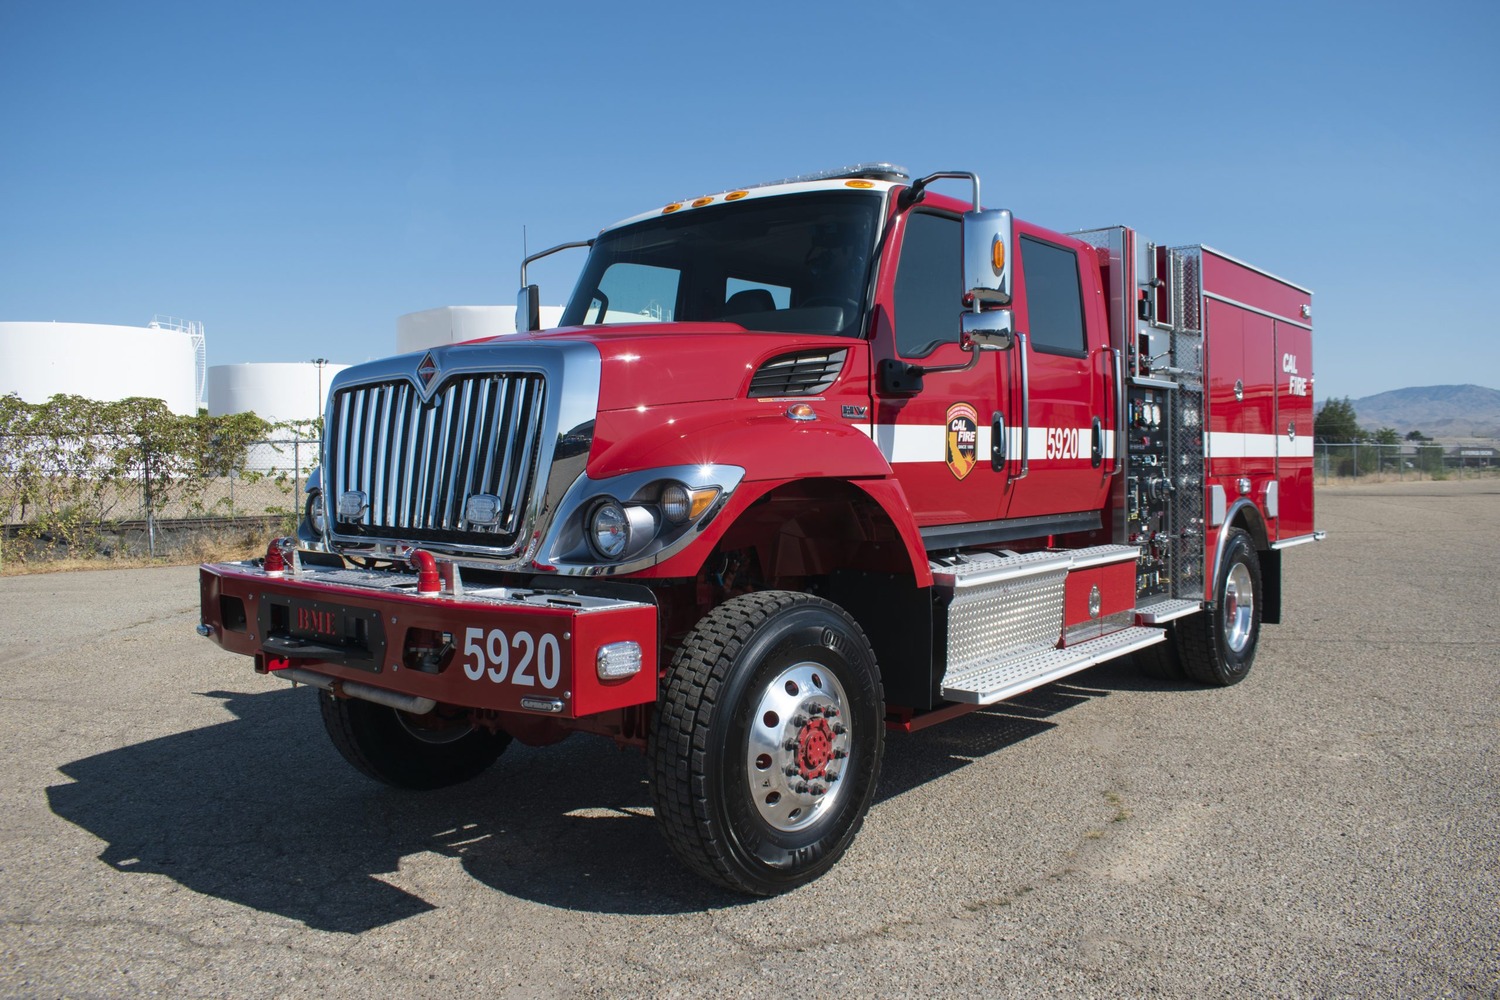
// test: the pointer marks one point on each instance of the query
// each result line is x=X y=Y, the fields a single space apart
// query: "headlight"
x=609 y=530
x=618 y=532
x=315 y=515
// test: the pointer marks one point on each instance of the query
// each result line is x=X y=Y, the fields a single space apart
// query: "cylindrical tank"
x=454 y=324
x=97 y=361
x=272 y=391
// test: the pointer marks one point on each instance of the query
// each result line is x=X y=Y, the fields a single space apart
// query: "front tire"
x=418 y=752
x=1217 y=646
x=766 y=747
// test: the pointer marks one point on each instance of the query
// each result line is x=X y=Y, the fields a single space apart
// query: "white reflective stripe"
x=1227 y=444
x=929 y=442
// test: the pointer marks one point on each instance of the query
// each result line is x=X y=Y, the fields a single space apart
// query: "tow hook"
x=204 y=630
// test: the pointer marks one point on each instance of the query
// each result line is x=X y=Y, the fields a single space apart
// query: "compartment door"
x=1294 y=426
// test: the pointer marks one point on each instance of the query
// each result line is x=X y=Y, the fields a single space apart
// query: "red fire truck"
x=805 y=461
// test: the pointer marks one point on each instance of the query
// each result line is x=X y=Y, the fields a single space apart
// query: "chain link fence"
x=1410 y=460
x=79 y=503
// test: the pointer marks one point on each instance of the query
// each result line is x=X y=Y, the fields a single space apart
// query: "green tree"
x=1337 y=423
x=1417 y=436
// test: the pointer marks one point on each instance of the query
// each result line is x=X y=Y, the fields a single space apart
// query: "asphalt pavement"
x=171 y=823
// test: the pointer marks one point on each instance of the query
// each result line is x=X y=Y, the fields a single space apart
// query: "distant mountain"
x=1440 y=411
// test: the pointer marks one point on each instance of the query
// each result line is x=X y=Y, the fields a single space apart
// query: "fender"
x=1245 y=512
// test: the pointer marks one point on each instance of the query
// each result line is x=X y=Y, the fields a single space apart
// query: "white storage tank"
x=454 y=324
x=272 y=391
x=102 y=362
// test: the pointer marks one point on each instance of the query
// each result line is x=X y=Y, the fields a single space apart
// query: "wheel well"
x=1248 y=519
x=815 y=527
x=828 y=537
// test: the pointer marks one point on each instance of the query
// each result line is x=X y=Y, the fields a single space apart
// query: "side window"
x=929 y=284
x=1053 y=297
x=634 y=293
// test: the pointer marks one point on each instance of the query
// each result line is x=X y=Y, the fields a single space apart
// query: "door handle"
x=997 y=442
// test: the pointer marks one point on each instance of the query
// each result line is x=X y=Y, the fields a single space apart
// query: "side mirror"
x=987 y=252
x=989 y=331
x=528 y=309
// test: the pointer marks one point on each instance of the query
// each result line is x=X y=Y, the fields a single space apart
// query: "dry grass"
x=223 y=547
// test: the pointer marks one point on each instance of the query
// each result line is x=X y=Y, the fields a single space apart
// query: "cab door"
x=1059 y=390
x=938 y=429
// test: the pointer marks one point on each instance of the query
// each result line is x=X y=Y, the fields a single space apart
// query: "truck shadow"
x=261 y=811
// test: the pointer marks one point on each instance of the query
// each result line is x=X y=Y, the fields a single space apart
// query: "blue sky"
x=295 y=176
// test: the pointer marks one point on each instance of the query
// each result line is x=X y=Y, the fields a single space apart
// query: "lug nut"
x=831 y=712
x=802 y=786
x=832 y=776
x=791 y=770
x=815 y=710
x=799 y=720
x=838 y=728
x=789 y=745
x=818 y=789
x=840 y=754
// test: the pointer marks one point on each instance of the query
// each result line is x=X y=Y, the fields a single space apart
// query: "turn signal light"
x=618 y=660
x=998 y=252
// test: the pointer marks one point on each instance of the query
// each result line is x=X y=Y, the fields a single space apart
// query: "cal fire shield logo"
x=963 y=438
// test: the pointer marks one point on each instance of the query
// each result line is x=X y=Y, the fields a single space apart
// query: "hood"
x=658 y=364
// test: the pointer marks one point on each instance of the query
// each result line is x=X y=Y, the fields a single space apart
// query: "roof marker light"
x=700 y=202
x=858 y=184
x=735 y=195
x=671 y=208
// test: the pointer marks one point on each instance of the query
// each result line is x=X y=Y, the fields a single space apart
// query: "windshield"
x=791 y=264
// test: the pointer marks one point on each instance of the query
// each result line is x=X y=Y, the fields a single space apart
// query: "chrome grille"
x=418 y=462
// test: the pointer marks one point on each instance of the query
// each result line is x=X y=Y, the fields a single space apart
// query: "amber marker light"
x=998 y=252
x=801 y=412
x=735 y=195
x=700 y=202
x=859 y=184
x=671 y=208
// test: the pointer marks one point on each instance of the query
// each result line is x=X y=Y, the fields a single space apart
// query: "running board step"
x=1017 y=671
x=1165 y=611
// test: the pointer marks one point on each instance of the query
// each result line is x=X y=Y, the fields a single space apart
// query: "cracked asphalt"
x=170 y=823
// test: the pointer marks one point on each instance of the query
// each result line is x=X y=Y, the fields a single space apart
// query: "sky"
x=296 y=175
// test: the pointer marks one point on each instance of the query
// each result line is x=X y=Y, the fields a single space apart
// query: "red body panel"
x=1260 y=444
x=1116 y=583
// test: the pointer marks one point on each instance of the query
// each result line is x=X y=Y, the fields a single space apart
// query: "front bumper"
x=494 y=648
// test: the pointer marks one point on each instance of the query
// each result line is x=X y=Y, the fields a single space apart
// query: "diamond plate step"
x=1165 y=611
x=1015 y=671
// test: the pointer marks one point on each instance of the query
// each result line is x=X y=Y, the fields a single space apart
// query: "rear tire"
x=1217 y=646
x=417 y=752
x=1161 y=662
x=766 y=747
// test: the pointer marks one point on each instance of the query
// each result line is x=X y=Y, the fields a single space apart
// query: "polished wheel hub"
x=1239 y=608
x=798 y=743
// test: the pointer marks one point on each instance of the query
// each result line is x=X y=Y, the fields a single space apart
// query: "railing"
x=1406 y=461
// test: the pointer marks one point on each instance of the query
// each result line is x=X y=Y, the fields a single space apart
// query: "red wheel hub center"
x=814 y=748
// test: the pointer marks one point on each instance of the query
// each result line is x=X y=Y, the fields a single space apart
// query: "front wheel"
x=766 y=747
x=1217 y=646
x=408 y=751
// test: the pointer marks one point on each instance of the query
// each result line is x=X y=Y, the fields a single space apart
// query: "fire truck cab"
x=803 y=462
